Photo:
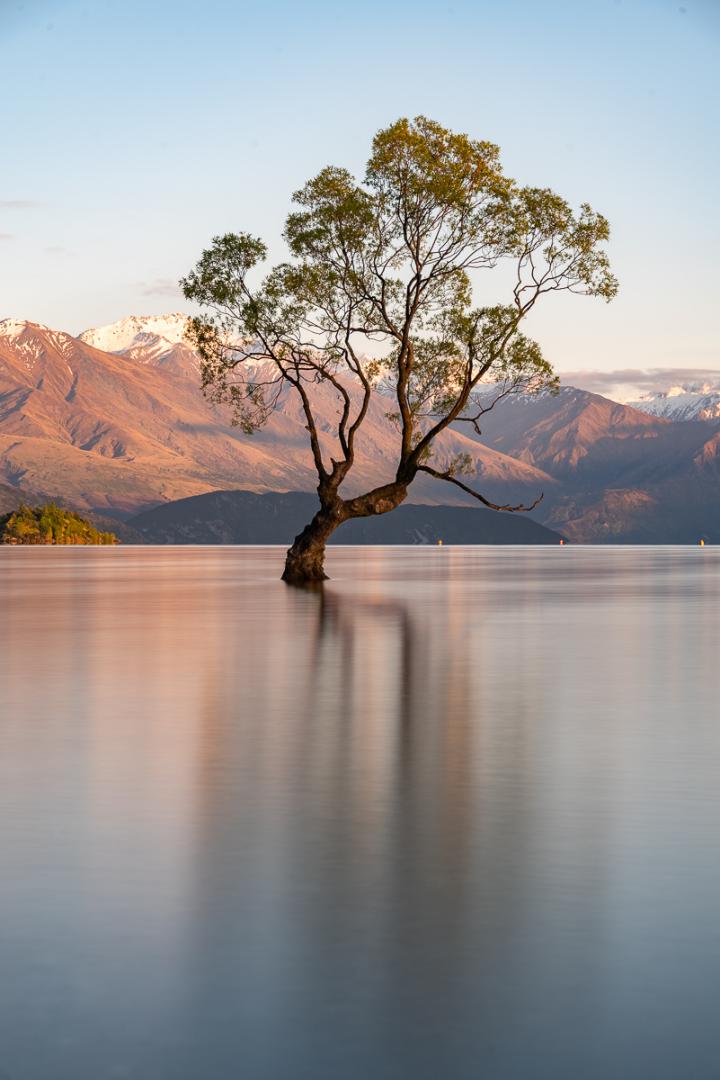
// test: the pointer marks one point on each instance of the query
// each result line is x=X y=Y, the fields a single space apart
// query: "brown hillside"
x=128 y=431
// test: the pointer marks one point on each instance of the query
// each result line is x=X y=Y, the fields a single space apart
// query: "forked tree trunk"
x=305 y=560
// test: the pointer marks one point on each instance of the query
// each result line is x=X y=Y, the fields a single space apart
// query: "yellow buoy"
x=701 y=543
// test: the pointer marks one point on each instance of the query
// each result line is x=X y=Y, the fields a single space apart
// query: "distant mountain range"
x=622 y=475
x=693 y=401
x=130 y=429
x=114 y=421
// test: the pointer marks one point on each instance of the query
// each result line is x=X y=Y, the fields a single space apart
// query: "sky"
x=132 y=132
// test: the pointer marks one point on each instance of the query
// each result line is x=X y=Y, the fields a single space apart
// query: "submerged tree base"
x=305 y=560
x=305 y=567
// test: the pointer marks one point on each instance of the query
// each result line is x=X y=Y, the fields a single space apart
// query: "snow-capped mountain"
x=694 y=401
x=15 y=328
x=30 y=342
x=137 y=330
x=155 y=340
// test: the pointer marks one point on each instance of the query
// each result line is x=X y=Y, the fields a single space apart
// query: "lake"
x=456 y=817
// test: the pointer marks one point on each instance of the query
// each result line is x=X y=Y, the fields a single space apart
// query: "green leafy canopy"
x=49 y=524
x=388 y=266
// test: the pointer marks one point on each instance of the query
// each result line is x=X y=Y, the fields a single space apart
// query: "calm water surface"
x=459 y=817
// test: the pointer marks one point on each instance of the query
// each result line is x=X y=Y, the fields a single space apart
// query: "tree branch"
x=476 y=494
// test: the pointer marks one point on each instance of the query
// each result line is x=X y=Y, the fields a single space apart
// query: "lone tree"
x=393 y=261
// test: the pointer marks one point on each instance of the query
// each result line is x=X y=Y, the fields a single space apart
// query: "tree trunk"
x=305 y=560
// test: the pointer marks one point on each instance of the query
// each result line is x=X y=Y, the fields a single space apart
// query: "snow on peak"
x=13 y=328
x=692 y=401
x=138 y=330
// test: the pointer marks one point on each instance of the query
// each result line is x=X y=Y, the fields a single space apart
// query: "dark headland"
x=246 y=517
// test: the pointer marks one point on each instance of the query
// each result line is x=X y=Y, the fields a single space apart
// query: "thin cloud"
x=629 y=384
x=57 y=249
x=160 y=287
x=19 y=204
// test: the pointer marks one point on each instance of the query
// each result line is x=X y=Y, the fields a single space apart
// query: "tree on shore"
x=49 y=524
x=392 y=261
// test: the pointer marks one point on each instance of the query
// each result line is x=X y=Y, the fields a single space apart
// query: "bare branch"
x=520 y=509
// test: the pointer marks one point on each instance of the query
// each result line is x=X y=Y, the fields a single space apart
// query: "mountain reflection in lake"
x=456 y=817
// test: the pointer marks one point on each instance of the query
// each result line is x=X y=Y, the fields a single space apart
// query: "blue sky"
x=132 y=132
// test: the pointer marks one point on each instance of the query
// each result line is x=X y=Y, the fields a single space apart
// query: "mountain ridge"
x=125 y=430
x=118 y=432
x=684 y=402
